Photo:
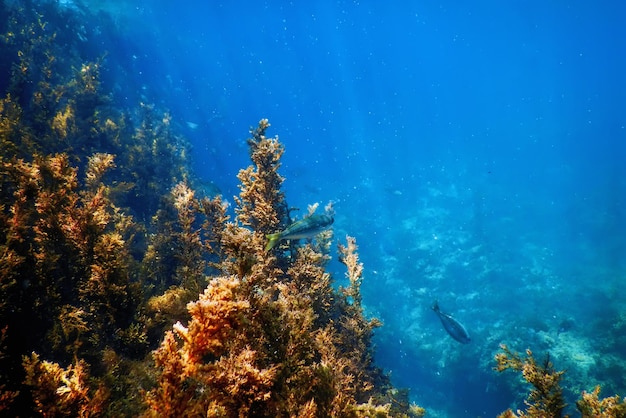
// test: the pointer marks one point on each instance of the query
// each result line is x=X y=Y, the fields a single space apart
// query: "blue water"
x=476 y=150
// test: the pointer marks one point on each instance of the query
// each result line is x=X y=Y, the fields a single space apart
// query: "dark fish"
x=304 y=228
x=452 y=326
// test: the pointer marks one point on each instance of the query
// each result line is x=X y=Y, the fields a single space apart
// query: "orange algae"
x=107 y=252
x=270 y=337
x=546 y=396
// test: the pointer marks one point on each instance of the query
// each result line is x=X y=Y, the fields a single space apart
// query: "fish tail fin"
x=436 y=306
x=272 y=240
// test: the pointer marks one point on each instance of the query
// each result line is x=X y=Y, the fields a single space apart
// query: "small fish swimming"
x=304 y=228
x=452 y=326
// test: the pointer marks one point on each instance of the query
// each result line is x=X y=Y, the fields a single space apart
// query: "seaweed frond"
x=590 y=405
x=546 y=397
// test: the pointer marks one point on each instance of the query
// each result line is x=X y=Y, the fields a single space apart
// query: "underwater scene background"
x=474 y=150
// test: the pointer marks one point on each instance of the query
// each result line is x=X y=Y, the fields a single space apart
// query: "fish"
x=452 y=326
x=304 y=228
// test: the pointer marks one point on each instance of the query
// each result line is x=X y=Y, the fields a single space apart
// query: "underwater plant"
x=270 y=336
x=71 y=295
x=105 y=246
x=590 y=405
x=66 y=281
x=546 y=397
x=88 y=289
